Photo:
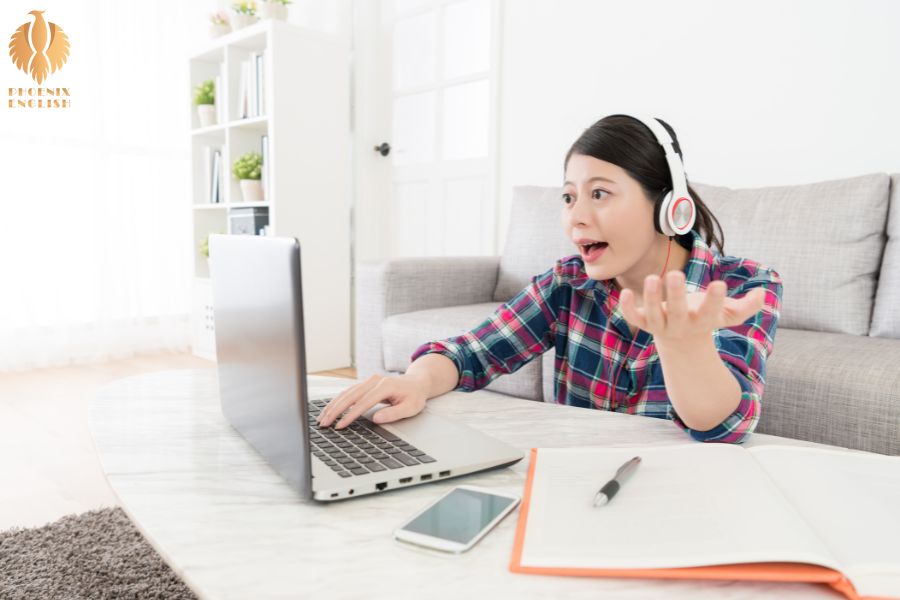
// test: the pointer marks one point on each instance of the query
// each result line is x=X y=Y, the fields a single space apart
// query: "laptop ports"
x=425 y=477
x=405 y=479
x=444 y=474
x=381 y=486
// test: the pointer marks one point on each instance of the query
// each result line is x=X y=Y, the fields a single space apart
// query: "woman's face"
x=601 y=202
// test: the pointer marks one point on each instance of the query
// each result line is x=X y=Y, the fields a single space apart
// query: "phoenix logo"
x=39 y=48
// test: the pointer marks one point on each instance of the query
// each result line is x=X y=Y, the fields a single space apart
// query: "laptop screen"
x=258 y=317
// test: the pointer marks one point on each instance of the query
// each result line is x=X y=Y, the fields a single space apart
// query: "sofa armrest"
x=402 y=285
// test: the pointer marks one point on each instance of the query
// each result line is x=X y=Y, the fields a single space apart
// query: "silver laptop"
x=261 y=353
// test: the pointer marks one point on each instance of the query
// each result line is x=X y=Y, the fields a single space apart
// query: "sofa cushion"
x=834 y=389
x=548 y=376
x=886 y=316
x=825 y=240
x=535 y=241
x=403 y=333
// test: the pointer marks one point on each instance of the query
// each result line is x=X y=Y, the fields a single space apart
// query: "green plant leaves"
x=205 y=93
x=248 y=166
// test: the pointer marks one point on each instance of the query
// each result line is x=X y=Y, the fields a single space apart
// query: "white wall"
x=95 y=237
x=764 y=93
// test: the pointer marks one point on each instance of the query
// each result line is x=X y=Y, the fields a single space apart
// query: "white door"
x=425 y=74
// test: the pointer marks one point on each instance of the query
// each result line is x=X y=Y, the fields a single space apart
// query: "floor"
x=48 y=467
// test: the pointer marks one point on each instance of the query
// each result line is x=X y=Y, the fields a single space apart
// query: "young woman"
x=639 y=325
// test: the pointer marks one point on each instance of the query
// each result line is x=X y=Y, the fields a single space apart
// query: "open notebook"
x=716 y=511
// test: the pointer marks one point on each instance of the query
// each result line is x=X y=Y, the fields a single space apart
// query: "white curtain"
x=95 y=229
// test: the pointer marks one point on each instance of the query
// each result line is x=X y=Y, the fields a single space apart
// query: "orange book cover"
x=775 y=571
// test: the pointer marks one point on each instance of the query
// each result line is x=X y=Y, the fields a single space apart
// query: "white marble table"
x=232 y=528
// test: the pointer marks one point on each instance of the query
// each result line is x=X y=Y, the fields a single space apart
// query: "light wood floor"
x=48 y=466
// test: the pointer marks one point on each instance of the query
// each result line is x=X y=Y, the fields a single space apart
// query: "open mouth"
x=591 y=252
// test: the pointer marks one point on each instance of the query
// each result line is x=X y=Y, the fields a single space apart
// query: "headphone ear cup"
x=682 y=215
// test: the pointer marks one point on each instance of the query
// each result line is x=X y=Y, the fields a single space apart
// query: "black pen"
x=609 y=490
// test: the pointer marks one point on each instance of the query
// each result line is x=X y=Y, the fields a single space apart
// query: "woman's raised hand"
x=406 y=394
x=686 y=316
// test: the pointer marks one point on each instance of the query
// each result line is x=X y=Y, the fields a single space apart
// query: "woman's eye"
x=565 y=198
x=596 y=193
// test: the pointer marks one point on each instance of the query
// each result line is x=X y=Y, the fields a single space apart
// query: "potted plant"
x=248 y=169
x=219 y=24
x=274 y=9
x=204 y=247
x=244 y=14
x=205 y=99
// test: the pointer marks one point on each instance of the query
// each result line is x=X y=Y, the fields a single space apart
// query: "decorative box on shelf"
x=249 y=220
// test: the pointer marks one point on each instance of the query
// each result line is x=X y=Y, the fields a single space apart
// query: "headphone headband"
x=676 y=165
x=675 y=211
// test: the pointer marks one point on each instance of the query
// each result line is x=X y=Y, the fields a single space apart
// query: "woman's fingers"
x=741 y=309
x=632 y=315
x=345 y=399
x=378 y=393
x=711 y=308
x=656 y=321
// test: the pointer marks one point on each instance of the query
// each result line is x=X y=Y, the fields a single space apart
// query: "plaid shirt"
x=563 y=308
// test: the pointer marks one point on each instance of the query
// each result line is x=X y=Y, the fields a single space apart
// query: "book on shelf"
x=258 y=58
x=242 y=91
x=251 y=83
x=212 y=174
x=217 y=178
x=251 y=86
x=716 y=511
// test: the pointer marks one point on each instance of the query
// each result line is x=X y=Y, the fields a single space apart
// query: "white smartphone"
x=457 y=520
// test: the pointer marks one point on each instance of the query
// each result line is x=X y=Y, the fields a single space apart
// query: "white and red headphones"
x=675 y=211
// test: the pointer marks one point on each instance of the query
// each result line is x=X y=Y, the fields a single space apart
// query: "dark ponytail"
x=629 y=144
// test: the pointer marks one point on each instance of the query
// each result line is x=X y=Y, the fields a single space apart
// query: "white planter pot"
x=273 y=10
x=241 y=20
x=206 y=114
x=251 y=190
x=216 y=30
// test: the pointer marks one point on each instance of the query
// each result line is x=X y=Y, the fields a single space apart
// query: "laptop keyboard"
x=360 y=448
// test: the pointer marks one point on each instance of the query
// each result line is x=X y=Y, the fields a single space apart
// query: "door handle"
x=384 y=149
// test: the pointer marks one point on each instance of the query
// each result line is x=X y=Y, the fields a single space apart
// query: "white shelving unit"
x=306 y=116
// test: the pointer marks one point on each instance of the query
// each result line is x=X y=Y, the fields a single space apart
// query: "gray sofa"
x=834 y=373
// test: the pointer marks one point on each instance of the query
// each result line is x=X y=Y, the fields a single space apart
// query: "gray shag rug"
x=97 y=554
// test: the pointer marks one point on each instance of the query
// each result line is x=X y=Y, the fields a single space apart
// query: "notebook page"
x=852 y=500
x=684 y=506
